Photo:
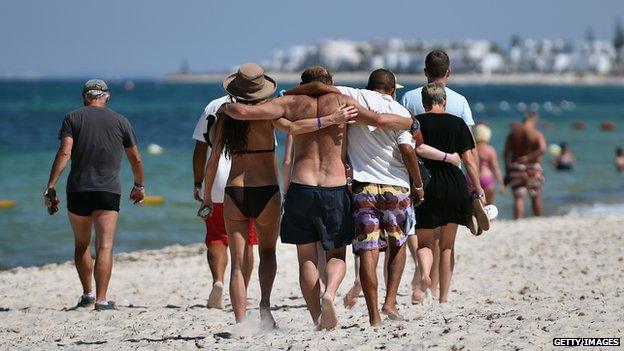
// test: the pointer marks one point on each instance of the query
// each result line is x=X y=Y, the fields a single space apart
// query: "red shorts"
x=215 y=228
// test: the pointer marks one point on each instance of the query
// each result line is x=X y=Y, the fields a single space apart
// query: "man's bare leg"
x=385 y=267
x=309 y=279
x=536 y=204
x=395 y=256
x=350 y=299
x=105 y=223
x=268 y=229
x=412 y=242
x=447 y=241
x=368 y=276
x=426 y=239
x=518 y=206
x=81 y=226
x=335 y=270
x=322 y=259
x=217 y=261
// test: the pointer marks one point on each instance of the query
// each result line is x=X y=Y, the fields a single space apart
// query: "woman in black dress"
x=447 y=202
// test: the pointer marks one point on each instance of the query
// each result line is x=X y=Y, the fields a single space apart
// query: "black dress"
x=446 y=195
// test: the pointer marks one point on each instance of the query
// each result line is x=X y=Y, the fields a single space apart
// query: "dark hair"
x=317 y=74
x=619 y=151
x=382 y=79
x=437 y=63
x=234 y=135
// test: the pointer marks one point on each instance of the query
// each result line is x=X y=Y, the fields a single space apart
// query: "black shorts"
x=314 y=214
x=84 y=203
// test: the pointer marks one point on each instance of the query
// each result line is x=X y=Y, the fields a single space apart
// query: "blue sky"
x=141 y=38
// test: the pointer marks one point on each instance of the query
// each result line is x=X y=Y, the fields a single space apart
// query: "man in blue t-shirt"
x=437 y=70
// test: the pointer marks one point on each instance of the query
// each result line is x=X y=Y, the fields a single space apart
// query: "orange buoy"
x=578 y=125
x=7 y=203
x=607 y=126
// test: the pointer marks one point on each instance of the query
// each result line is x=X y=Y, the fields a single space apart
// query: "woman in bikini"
x=488 y=163
x=252 y=189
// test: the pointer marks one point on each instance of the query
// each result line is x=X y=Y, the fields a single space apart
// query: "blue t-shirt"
x=456 y=104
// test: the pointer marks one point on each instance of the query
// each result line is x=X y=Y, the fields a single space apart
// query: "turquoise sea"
x=165 y=114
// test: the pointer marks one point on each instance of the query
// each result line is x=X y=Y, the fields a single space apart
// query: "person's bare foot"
x=434 y=293
x=418 y=294
x=392 y=313
x=215 y=299
x=266 y=318
x=329 y=320
x=418 y=297
x=352 y=296
x=415 y=281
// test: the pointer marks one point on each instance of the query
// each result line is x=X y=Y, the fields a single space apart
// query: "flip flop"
x=478 y=210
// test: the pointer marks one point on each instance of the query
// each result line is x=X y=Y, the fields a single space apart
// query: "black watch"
x=198 y=184
x=415 y=126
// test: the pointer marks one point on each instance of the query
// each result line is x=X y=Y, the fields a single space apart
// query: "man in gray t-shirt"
x=100 y=136
x=94 y=137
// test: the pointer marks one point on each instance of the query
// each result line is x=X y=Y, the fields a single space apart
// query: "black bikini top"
x=242 y=152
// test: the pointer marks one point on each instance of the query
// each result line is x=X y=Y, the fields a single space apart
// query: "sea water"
x=166 y=114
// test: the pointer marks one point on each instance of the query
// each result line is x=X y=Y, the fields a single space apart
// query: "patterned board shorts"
x=381 y=212
x=525 y=178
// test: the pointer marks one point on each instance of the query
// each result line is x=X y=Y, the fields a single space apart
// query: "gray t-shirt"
x=100 y=136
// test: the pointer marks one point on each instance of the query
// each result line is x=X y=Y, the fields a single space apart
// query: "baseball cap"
x=95 y=84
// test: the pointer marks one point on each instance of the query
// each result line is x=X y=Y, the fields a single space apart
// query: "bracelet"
x=445 y=155
x=318 y=122
x=198 y=184
x=419 y=187
x=139 y=186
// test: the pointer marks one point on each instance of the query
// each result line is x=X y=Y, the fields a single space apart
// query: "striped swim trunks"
x=381 y=212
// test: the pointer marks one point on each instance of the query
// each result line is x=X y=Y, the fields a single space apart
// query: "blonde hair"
x=433 y=94
x=483 y=133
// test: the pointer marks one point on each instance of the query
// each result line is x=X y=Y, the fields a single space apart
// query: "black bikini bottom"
x=251 y=200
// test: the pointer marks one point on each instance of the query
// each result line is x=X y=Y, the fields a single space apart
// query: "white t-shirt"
x=223 y=170
x=374 y=153
x=456 y=104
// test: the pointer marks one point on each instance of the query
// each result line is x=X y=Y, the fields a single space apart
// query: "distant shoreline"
x=415 y=79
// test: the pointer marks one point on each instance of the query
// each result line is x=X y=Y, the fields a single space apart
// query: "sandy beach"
x=516 y=287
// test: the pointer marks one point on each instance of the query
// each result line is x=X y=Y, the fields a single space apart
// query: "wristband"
x=445 y=155
x=318 y=122
x=198 y=184
x=139 y=186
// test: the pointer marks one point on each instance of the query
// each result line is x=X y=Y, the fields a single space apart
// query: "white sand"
x=516 y=287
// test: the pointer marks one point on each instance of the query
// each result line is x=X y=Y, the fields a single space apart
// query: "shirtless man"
x=524 y=149
x=318 y=205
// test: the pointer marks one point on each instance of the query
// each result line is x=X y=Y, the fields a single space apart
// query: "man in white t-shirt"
x=437 y=70
x=216 y=239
